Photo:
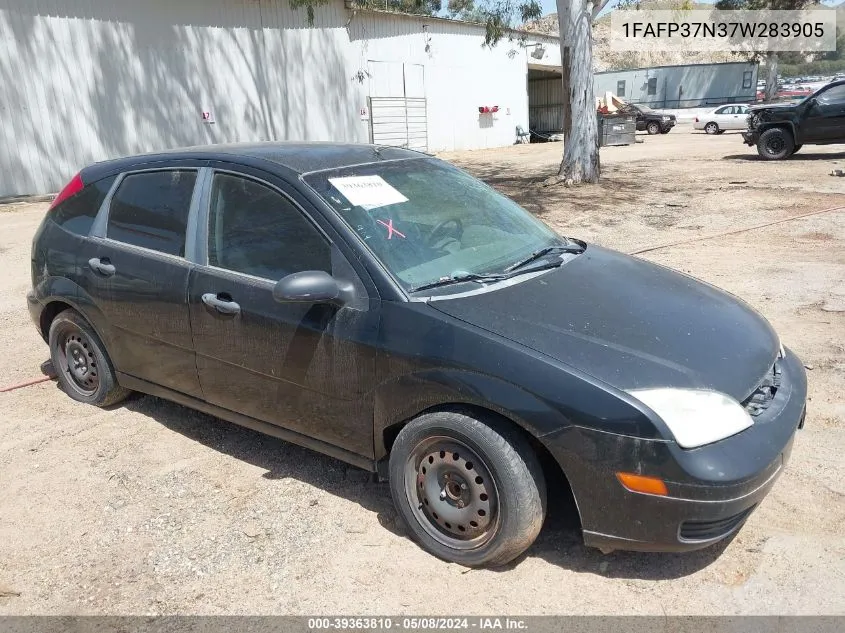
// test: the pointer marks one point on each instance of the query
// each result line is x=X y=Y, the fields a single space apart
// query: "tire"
x=796 y=149
x=775 y=144
x=82 y=365
x=483 y=478
x=712 y=128
x=653 y=128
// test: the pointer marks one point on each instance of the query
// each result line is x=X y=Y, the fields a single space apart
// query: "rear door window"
x=77 y=214
x=150 y=210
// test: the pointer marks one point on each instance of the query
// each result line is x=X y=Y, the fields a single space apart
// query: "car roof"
x=297 y=157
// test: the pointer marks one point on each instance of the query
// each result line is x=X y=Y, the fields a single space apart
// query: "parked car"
x=651 y=121
x=387 y=309
x=780 y=130
x=726 y=117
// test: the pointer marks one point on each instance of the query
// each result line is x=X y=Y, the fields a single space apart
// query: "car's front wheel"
x=712 y=128
x=653 y=128
x=775 y=144
x=470 y=490
x=82 y=365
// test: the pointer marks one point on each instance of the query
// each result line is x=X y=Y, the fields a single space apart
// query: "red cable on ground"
x=748 y=228
x=28 y=383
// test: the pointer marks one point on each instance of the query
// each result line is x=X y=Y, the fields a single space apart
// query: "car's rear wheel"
x=775 y=144
x=82 y=365
x=712 y=128
x=471 y=491
x=653 y=127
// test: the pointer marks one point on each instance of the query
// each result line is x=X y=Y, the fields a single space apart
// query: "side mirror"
x=310 y=286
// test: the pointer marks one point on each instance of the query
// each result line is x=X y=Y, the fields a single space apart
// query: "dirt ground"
x=152 y=508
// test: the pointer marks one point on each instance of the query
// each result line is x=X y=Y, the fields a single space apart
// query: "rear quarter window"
x=150 y=210
x=77 y=214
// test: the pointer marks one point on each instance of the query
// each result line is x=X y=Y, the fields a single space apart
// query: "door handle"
x=223 y=306
x=102 y=266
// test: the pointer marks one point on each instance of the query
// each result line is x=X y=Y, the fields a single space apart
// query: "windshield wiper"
x=533 y=257
x=458 y=279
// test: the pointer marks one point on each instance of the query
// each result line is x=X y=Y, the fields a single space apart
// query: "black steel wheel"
x=471 y=491
x=653 y=127
x=82 y=365
x=451 y=492
x=712 y=128
x=775 y=144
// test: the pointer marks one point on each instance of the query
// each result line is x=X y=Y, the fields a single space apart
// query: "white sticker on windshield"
x=369 y=192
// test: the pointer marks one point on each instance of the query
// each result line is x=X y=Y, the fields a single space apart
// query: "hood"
x=629 y=323
x=773 y=106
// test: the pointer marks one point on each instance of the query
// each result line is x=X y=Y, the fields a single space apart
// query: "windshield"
x=426 y=220
x=645 y=109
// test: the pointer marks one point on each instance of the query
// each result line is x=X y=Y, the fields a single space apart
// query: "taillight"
x=71 y=189
x=696 y=119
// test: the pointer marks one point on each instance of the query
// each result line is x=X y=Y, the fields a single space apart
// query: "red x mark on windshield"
x=390 y=229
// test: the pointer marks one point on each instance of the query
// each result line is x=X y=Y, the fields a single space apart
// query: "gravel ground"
x=152 y=508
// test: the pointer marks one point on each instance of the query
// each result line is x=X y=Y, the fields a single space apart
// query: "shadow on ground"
x=527 y=188
x=798 y=157
x=559 y=542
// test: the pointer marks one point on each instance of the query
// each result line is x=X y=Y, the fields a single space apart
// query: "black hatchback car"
x=386 y=308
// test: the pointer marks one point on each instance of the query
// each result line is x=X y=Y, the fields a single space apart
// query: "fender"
x=406 y=396
x=767 y=125
x=64 y=290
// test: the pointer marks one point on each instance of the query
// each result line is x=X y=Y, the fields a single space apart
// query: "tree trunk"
x=580 y=128
x=771 y=75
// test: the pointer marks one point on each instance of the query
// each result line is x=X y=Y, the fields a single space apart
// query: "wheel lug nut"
x=460 y=503
x=463 y=486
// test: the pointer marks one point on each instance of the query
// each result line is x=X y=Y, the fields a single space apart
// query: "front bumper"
x=750 y=137
x=667 y=125
x=712 y=489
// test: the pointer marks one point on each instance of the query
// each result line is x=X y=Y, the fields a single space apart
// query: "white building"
x=86 y=80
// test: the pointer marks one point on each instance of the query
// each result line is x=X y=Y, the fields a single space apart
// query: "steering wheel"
x=441 y=231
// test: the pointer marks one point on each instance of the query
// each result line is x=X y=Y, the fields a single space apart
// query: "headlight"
x=666 y=118
x=696 y=417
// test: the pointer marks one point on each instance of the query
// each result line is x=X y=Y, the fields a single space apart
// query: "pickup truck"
x=779 y=130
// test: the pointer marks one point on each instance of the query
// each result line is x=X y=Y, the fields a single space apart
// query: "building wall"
x=683 y=86
x=87 y=80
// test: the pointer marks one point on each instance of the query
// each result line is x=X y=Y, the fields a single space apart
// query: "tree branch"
x=598 y=6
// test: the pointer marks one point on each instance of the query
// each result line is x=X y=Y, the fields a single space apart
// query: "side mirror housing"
x=310 y=286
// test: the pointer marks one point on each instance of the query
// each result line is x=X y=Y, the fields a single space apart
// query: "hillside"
x=606 y=59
